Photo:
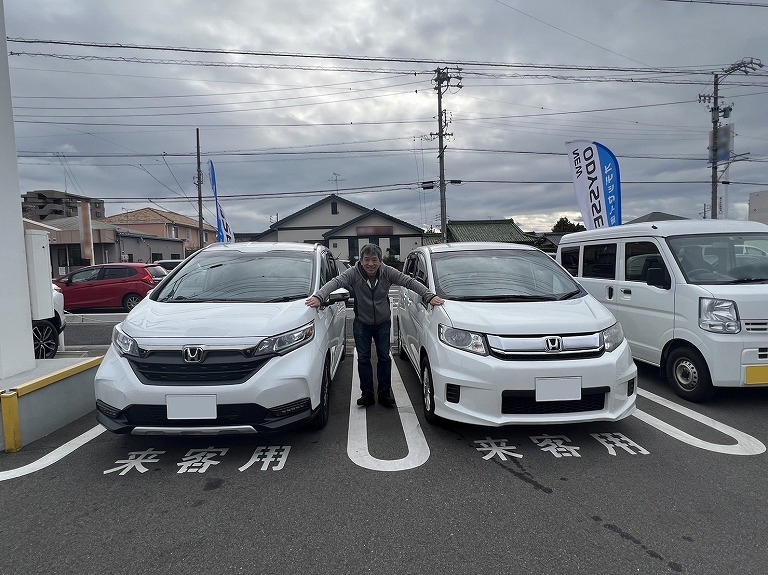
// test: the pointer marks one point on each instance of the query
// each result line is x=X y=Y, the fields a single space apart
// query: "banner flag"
x=224 y=233
x=595 y=174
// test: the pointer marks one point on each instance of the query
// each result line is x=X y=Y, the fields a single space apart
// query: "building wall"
x=758 y=207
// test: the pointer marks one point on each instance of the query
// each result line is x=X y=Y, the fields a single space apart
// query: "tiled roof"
x=154 y=216
x=487 y=231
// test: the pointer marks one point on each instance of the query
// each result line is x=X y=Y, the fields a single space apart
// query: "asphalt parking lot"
x=674 y=488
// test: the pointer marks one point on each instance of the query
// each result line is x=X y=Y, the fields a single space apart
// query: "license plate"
x=191 y=406
x=558 y=388
x=757 y=374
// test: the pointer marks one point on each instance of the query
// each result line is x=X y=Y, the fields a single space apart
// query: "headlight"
x=462 y=339
x=612 y=337
x=719 y=315
x=288 y=341
x=125 y=344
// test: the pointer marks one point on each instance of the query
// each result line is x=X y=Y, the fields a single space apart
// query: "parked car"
x=227 y=345
x=691 y=295
x=45 y=332
x=517 y=341
x=168 y=264
x=120 y=285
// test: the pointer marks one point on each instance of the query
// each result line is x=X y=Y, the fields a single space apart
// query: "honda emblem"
x=192 y=354
x=553 y=343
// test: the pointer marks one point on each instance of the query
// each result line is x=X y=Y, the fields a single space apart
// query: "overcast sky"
x=297 y=99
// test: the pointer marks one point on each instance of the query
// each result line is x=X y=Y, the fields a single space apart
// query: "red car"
x=120 y=285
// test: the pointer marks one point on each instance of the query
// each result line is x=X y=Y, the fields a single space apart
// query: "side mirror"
x=338 y=296
x=658 y=278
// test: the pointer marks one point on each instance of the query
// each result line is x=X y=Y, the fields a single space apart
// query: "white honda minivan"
x=517 y=341
x=226 y=344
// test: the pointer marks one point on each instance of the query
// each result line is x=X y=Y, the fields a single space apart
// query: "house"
x=655 y=217
x=47 y=205
x=344 y=227
x=165 y=224
x=111 y=243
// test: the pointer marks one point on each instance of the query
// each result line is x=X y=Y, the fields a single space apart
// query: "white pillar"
x=17 y=353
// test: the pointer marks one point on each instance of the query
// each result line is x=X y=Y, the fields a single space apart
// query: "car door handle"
x=626 y=291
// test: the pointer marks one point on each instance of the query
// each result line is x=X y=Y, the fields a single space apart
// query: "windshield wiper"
x=504 y=298
x=748 y=281
x=569 y=295
x=287 y=298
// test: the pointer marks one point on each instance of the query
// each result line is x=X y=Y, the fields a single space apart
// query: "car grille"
x=220 y=367
x=515 y=402
x=228 y=414
x=546 y=347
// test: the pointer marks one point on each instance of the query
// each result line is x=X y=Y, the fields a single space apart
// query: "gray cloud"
x=275 y=134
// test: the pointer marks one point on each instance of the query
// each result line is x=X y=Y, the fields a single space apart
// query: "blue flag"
x=224 y=233
x=595 y=173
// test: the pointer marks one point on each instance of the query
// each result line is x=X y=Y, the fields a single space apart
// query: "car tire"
x=428 y=392
x=46 y=339
x=688 y=374
x=324 y=409
x=131 y=301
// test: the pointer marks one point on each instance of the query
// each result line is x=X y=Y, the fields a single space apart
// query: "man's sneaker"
x=386 y=399
x=366 y=399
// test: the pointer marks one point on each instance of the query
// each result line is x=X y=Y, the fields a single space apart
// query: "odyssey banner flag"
x=225 y=233
x=595 y=174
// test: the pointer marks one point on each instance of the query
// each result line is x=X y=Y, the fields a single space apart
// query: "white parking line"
x=53 y=456
x=357 y=436
x=745 y=444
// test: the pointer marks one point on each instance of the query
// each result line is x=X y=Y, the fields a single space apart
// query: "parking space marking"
x=55 y=455
x=745 y=444
x=357 y=436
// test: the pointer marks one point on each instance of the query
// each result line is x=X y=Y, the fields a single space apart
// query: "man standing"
x=369 y=281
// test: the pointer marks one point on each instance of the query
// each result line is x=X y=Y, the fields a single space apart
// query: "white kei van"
x=691 y=295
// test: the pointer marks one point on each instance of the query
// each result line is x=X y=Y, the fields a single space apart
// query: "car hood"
x=584 y=314
x=207 y=321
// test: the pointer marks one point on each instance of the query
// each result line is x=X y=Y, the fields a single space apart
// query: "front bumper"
x=283 y=392
x=489 y=391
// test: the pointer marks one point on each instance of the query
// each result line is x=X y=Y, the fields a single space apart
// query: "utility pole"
x=199 y=193
x=746 y=65
x=442 y=82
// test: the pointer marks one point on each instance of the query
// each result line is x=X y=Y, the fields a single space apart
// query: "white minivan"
x=692 y=296
x=517 y=341
x=226 y=345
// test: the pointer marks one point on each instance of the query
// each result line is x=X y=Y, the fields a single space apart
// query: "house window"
x=174 y=231
x=205 y=237
x=334 y=208
x=189 y=233
x=335 y=245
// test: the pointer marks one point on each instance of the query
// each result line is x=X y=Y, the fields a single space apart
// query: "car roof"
x=264 y=247
x=666 y=228
x=468 y=246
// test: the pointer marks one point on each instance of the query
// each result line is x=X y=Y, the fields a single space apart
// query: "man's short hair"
x=371 y=250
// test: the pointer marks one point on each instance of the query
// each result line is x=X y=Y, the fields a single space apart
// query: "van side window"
x=569 y=259
x=638 y=258
x=600 y=261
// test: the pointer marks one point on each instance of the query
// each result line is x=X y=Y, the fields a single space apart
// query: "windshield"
x=501 y=275
x=722 y=258
x=235 y=276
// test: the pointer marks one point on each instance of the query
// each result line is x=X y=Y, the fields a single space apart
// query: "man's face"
x=371 y=265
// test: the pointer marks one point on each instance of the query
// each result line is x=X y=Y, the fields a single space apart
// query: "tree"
x=565 y=226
